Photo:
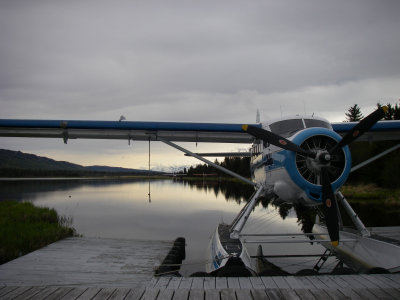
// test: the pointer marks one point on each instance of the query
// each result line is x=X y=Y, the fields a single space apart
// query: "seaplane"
x=301 y=160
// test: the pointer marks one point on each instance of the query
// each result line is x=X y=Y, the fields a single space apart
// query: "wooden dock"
x=177 y=288
x=87 y=262
x=89 y=268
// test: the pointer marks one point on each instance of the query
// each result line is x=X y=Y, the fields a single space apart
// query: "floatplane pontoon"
x=302 y=160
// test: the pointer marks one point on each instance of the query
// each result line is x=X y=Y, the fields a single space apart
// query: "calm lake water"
x=122 y=209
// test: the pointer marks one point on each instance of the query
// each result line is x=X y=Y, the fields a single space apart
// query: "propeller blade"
x=363 y=126
x=330 y=208
x=277 y=140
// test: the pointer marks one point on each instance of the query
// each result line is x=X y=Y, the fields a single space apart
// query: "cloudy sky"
x=205 y=61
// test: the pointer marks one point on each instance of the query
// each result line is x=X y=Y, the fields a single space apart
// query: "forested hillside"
x=19 y=164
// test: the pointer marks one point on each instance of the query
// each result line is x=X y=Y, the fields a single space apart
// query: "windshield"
x=287 y=128
x=316 y=123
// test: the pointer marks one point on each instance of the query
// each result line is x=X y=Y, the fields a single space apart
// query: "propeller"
x=276 y=140
x=322 y=159
x=330 y=207
x=358 y=130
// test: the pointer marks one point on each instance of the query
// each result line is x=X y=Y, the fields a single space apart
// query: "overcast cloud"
x=206 y=61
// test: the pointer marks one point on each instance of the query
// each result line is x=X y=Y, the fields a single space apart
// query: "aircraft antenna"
x=258 y=116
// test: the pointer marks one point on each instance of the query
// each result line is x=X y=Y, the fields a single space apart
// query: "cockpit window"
x=287 y=128
x=316 y=123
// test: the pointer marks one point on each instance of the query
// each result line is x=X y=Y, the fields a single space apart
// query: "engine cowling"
x=305 y=171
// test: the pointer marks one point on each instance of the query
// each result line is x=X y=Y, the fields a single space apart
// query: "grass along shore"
x=370 y=193
x=25 y=228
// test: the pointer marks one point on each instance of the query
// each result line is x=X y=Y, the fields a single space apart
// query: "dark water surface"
x=122 y=209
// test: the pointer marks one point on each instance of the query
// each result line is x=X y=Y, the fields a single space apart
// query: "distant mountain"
x=19 y=163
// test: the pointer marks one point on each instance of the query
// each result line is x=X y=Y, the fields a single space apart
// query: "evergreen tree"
x=354 y=114
x=393 y=112
x=396 y=113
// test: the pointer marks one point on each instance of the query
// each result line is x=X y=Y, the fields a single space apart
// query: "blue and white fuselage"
x=293 y=177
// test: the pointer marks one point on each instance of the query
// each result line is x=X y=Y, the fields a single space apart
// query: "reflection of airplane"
x=301 y=159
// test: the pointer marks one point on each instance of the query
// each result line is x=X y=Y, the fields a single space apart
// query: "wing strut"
x=370 y=160
x=229 y=172
x=353 y=216
x=241 y=219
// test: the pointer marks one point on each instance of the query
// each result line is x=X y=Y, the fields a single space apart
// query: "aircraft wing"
x=172 y=131
x=125 y=130
x=381 y=131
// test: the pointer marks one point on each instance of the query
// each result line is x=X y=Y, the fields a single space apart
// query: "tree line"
x=240 y=165
x=354 y=114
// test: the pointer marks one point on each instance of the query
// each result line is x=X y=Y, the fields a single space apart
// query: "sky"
x=198 y=61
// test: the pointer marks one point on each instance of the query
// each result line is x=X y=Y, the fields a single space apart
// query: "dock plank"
x=7 y=289
x=211 y=294
x=394 y=292
x=321 y=294
x=348 y=292
x=104 y=293
x=257 y=283
x=381 y=294
x=331 y=294
x=162 y=282
x=89 y=293
x=269 y=283
x=196 y=294
x=243 y=294
x=165 y=294
x=209 y=283
x=198 y=283
x=305 y=283
x=305 y=294
x=293 y=282
x=119 y=294
x=74 y=294
x=59 y=293
x=181 y=294
x=221 y=283
x=315 y=280
x=329 y=283
x=29 y=294
x=150 y=294
x=259 y=294
x=394 y=279
x=45 y=293
x=174 y=283
x=227 y=294
x=233 y=282
x=135 y=294
x=281 y=282
x=365 y=294
x=186 y=283
x=274 y=294
x=13 y=293
x=245 y=283
x=289 y=294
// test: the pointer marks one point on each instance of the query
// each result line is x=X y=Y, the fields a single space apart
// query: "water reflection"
x=192 y=209
x=238 y=192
